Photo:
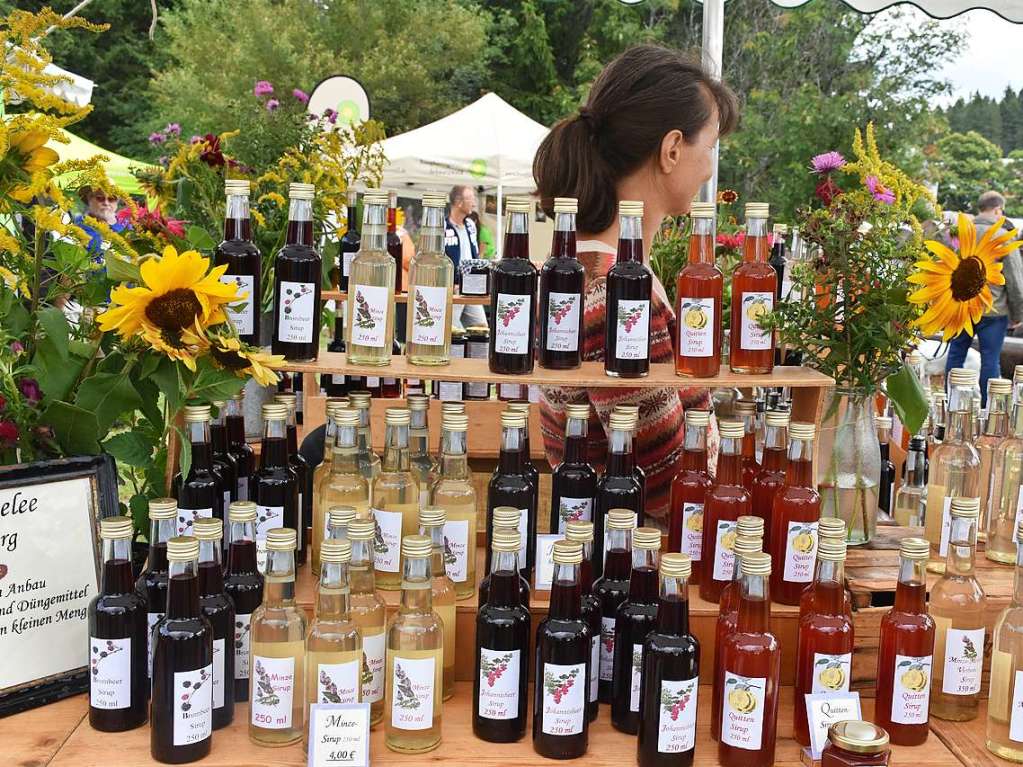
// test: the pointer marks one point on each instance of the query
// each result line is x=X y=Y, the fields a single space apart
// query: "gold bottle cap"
x=882 y=422
x=416 y=546
x=331 y=408
x=780 y=230
x=621 y=519
x=505 y=539
x=1017 y=373
x=802 y=430
x=455 y=408
x=435 y=200
x=115 y=528
x=756 y=564
x=622 y=422
x=757 y=209
x=519 y=205
x=698 y=417
x=731 y=429
x=376 y=197
x=566 y=205
x=336 y=550
x=567 y=552
x=197 y=413
x=630 y=207
x=831 y=549
x=281 y=539
x=182 y=549
x=274 y=411
x=968 y=508
x=777 y=418
x=858 y=737
x=831 y=527
x=646 y=538
x=963 y=377
x=747 y=544
x=579 y=530
x=163 y=508
x=702 y=210
x=236 y=186
x=286 y=398
x=745 y=407
x=346 y=417
x=914 y=358
x=358 y=397
x=999 y=386
x=208 y=529
x=239 y=397
x=417 y=402
x=454 y=422
x=676 y=565
x=939 y=396
x=241 y=511
x=299 y=191
x=914 y=548
x=580 y=412
x=627 y=409
x=747 y=524
x=506 y=516
x=361 y=530
x=397 y=416
x=219 y=404
x=432 y=516
x=340 y=516
x=513 y=420
x=519 y=406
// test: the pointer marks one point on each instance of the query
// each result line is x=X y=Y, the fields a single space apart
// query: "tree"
x=967 y=164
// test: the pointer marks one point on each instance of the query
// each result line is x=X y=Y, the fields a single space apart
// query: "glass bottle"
x=827 y=528
x=796 y=514
x=224 y=464
x=346 y=485
x=746 y=411
x=996 y=429
x=369 y=321
x=218 y=608
x=273 y=485
x=369 y=614
x=393 y=240
x=581 y=532
x=855 y=743
x=752 y=664
x=611 y=589
x=633 y=621
x=415 y=656
x=1004 y=712
x=432 y=522
x=939 y=417
x=244 y=455
x=957 y=606
x=1005 y=497
x=671 y=674
x=321 y=472
x=754 y=286
x=200 y=493
x=244 y=584
x=512 y=293
x=338 y=520
x=243 y=261
x=699 y=291
x=629 y=285
x=510 y=486
x=689 y=493
x=336 y=384
x=617 y=487
x=632 y=411
x=182 y=709
x=778 y=258
x=574 y=480
x=523 y=406
x=431 y=277
x=825 y=644
x=955 y=465
x=152 y=582
x=423 y=466
x=560 y=724
x=118 y=677
x=500 y=686
x=303 y=474
x=507 y=518
x=369 y=462
x=455 y=494
x=772 y=475
x=277 y=699
x=886 y=490
x=562 y=282
x=297 y=279
x=350 y=240
x=911 y=498
x=904 y=657
x=727 y=500
x=395 y=500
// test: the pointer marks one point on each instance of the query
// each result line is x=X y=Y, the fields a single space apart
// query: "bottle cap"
x=630 y=207
x=416 y=546
x=297 y=191
x=882 y=422
x=581 y=412
x=968 y=508
x=914 y=548
x=756 y=564
x=566 y=205
x=1019 y=532
x=281 y=539
x=831 y=549
x=622 y=422
x=417 y=402
x=675 y=565
x=239 y=397
x=1017 y=373
x=432 y=516
x=702 y=210
x=646 y=538
x=939 y=396
x=567 y=552
x=621 y=519
x=376 y=197
x=236 y=186
x=802 y=430
x=745 y=407
x=361 y=530
x=519 y=205
x=579 y=530
x=359 y=398
x=435 y=200
x=340 y=516
x=777 y=418
x=454 y=422
x=831 y=527
x=286 y=398
x=115 y=528
x=397 y=416
x=963 y=377
x=731 y=429
x=858 y=736
x=518 y=406
x=747 y=544
x=999 y=386
x=182 y=549
x=197 y=413
x=757 y=209
x=336 y=550
x=275 y=411
x=697 y=417
x=747 y=524
x=457 y=408
x=506 y=516
x=163 y=508
x=627 y=409
x=208 y=528
x=241 y=511
x=346 y=417
x=331 y=408
x=780 y=230
x=512 y=420
x=506 y=539
x=914 y=358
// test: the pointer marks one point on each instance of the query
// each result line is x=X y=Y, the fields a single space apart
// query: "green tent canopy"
x=118 y=168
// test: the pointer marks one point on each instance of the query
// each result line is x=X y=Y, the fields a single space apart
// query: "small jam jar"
x=856 y=744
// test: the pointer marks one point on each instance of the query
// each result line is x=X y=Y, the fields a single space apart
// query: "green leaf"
x=120 y=270
x=138 y=505
x=168 y=379
x=907 y=397
x=185 y=452
x=150 y=405
x=74 y=428
x=130 y=448
x=56 y=370
x=199 y=238
x=54 y=323
x=108 y=395
x=212 y=383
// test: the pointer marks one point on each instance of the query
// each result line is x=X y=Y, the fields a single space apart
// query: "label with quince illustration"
x=831 y=673
x=911 y=689
x=742 y=715
x=692 y=530
x=696 y=327
x=755 y=305
x=800 y=552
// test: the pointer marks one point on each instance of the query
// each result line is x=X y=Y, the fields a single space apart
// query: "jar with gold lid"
x=856 y=744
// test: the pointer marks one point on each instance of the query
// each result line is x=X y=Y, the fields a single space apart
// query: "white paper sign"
x=544 y=573
x=339 y=734
x=824 y=710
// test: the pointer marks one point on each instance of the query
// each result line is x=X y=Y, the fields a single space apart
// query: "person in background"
x=647 y=132
x=460 y=243
x=486 y=238
x=102 y=207
x=1007 y=310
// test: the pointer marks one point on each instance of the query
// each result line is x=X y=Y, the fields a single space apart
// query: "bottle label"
x=110 y=673
x=637 y=677
x=449 y=391
x=372 y=382
x=1019 y=506
x=607 y=648
x=296 y=323
x=413 y=690
x=338 y=682
x=564 y=704
x=946 y=524
x=374 y=649
x=632 y=332
x=800 y=552
x=676 y=731
x=754 y=306
x=964 y=660
x=387 y=540
x=511 y=323
x=243 y=489
x=742 y=717
x=227 y=500
x=267 y=518
x=369 y=321
x=193 y=705
x=724 y=559
x=594 y=668
x=338 y=379
x=912 y=689
x=524 y=536
x=152 y=619
x=243 y=312
x=218 y=673
x=346 y=262
x=456 y=550
x=242 y=633
x=563 y=322
x=499 y=684
x=692 y=530
x=187 y=517
x=273 y=692
x=1016 y=720
x=571 y=509
x=696 y=327
x=429 y=315
x=831 y=673
x=474 y=284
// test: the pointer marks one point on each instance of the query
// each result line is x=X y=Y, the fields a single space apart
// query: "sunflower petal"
x=967 y=236
x=945 y=253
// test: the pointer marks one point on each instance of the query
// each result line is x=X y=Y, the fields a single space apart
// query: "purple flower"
x=300 y=95
x=173 y=129
x=827 y=162
x=262 y=88
x=272 y=105
x=331 y=116
x=30 y=389
x=156 y=137
x=195 y=139
x=881 y=193
x=16 y=347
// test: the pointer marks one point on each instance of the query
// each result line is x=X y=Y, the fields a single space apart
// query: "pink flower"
x=881 y=193
x=262 y=88
x=156 y=137
x=272 y=105
x=8 y=432
x=300 y=95
x=331 y=116
x=173 y=129
x=731 y=240
x=16 y=347
x=29 y=387
x=826 y=162
x=3 y=402
x=195 y=139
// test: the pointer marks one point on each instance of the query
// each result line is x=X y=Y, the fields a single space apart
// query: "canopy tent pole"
x=499 y=234
x=713 y=45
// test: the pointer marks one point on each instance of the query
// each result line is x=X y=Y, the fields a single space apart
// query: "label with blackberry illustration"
x=297 y=312
x=109 y=673
x=193 y=705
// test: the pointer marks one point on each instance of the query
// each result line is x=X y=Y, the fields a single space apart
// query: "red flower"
x=142 y=218
x=8 y=432
x=827 y=190
x=731 y=240
x=3 y=402
x=211 y=153
x=30 y=389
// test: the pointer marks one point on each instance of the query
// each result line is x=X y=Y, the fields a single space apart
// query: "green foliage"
x=999 y=121
x=966 y=165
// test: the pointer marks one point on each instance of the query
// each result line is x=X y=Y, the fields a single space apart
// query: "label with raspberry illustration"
x=414 y=683
x=632 y=337
x=387 y=541
x=800 y=552
x=456 y=549
x=110 y=673
x=152 y=619
x=607 y=648
x=511 y=324
x=696 y=327
x=692 y=530
x=273 y=690
x=564 y=699
x=242 y=634
x=753 y=306
x=964 y=660
x=831 y=673
x=339 y=682
x=499 y=684
x=563 y=321
x=724 y=559
x=374 y=648
x=911 y=691
x=676 y=731
x=187 y=517
x=570 y=509
x=267 y=518
x=429 y=315
x=296 y=322
x=369 y=315
x=242 y=312
x=594 y=668
x=193 y=706
x=637 y=677
x=742 y=715
x=474 y=284
x=218 y=673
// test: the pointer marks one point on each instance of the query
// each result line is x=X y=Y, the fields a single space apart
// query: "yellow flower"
x=955 y=287
x=245 y=361
x=32 y=157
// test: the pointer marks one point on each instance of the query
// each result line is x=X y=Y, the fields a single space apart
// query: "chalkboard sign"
x=49 y=572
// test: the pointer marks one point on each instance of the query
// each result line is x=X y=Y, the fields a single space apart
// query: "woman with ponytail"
x=647 y=132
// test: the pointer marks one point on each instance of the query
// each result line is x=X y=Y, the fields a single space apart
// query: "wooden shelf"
x=402 y=298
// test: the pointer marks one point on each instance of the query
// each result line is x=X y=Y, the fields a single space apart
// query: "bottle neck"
x=454 y=463
x=511 y=459
x=274 y=449
x=360 y=569
x=644 y=568
x=374 y=228
x=754 y=604
x=776 y=443
x=619 y=543
x=701 y=241
x=117 y=567
x=416 y=586
x=516 y=239
x=431 y=236
x=333 y=594
x=962 y=544
x=241 y=549
x=694 y=451
x=202 y=454
x=396 y=457
x=211 y=569
x=392 y=219
x=235 y=423
x=754 y=246
x=504 y=580
x=564 y=236
x=911 y=590
x=237 y=224
x=345 y=452
x=799 y=472
x=673 y=607
x=566 y=594
x=630 y=239
x=997 y=424
x=730 y=462
x=279 y=589
x=300 y=223
x=829 y=580
x=182 y=590
x=915 y=463
x=436 y=535
x=576 y=435
x=620 y=461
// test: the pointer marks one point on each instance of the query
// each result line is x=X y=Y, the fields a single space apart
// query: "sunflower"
x=244 y=361
x=31 y=157
x=955 y=287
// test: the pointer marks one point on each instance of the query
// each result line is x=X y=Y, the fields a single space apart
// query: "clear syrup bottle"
x=369 y=462
x=432 y=524
x=455 y=494
x=345 y=485
x=431 y=277
x=1004 y=709
x=996 y=429
x=369 y=323
x=369 y=614
x=423 y=466
x=395 y=500
x=1005 y=492
x=911 y=497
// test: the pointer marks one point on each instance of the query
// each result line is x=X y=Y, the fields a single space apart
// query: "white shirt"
x=464 y=248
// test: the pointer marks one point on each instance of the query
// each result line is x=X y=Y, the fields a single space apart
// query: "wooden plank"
x=33 y=737
x=966 y=739
x=402 y=298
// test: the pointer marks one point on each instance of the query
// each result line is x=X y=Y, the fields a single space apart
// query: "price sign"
x=544 y=573
x=826 y=709
x=339 y=735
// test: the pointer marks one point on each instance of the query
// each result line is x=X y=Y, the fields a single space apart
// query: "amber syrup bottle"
x=828 y=527
x=634 y=620
x=611 y=589
x=303 y=475
x=562 y=282
x=506 y=518
x=118 y=678
x=297 y=279
x=752 y=663
x=510 y=486
x=243 y=261
x=560 y=724
x=182 y=713
x=727 y=500
x=512 y=293
x=699 y=291
x=225 y=464
x=689 y=493
x=200 y=493
x=349 y=243
x=754 y=286
x=795 y=517
x=746 y=411
x=580 y=531
x=237 y=447
x=152 y=582
x=629 y=285
x=671 y=674
x=771 y=477
x=218 y=608
x=243 y=583
x=618 y=487
x=574 y=480
x=499 y=692
x=905 y=652
x=273 y=487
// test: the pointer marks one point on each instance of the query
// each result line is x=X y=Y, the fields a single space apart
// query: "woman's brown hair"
x=638 y=98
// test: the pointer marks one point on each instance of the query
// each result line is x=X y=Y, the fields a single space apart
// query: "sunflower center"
x=230 y=359
x=968 y=279
x=174 y=310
